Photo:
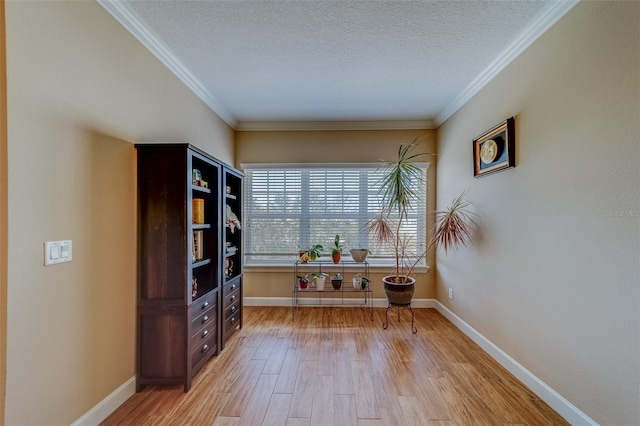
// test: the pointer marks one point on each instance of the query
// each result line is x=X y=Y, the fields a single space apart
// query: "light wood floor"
x=337 y=367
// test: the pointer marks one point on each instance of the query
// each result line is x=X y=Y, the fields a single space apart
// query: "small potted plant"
x=359 y=282
x=336 y=281
x=310 y=254
x=360 y=254
x=318 y=278
x=336 y=251
x=303 y=282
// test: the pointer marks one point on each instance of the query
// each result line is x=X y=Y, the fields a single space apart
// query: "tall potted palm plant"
x=452 y=227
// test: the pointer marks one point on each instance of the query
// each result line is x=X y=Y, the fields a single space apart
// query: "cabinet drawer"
x=203 y=304
x=233 y=309
x=231 y=295
x=206 y=348
x=231 y=322
x=203 y=333
x=205 y=318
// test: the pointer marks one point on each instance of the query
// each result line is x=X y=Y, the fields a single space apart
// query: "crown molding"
x=273 y=126
x=131 y=21
x=545 y=20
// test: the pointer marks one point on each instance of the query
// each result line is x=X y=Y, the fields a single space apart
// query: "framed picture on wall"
x=495 y=149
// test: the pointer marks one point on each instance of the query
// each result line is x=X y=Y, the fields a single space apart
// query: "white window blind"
x=289 y=206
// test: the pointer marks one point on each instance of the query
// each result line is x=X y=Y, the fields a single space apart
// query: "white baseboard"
x=108 y=405
x=566 y=409
x=286 y=301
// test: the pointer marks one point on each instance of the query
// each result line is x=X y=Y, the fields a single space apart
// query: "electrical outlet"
x=450 y=294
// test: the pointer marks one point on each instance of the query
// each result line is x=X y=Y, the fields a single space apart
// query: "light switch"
x=65 y=251
x=57 y=252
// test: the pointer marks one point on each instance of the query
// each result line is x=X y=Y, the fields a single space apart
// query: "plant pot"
x=335 y=256
x=356 y=282
x=320 y=283
x=359 y=256
x=336 y=284
x=399 y=294
x=303 y=285
x=304 y=256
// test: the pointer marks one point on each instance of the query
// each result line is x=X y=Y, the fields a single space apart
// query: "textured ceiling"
x=266 y=63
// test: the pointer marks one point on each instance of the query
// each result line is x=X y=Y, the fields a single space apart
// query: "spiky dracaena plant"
x=452 y=228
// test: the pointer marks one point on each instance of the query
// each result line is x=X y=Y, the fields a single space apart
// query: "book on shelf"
x=198 y=244
x=198 y=210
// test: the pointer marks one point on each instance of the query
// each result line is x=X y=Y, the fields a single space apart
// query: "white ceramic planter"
x=359 y=256
x=320 y=283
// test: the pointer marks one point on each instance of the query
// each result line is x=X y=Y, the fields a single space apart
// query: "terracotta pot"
x=399 y=294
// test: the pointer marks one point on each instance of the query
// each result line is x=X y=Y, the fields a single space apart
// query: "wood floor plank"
x=387 y=400
x=346 y=410
x=276 y=356
x=326 y=364
x=343 y=381
x=365 y=396
x=371 y=422
x=433 y=403
x=298 y=421
x=254 y=411
x=303 y=389
x=265 y=344
x=336 y=366
x=322 y=406
x=278 y=410
x=243 y=389
x=287 y=377
x=201 y=408
x=227 y=421
x=473 y=411
x=414 y=412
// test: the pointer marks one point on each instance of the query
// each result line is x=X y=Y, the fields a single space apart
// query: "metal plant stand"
x=385 y=324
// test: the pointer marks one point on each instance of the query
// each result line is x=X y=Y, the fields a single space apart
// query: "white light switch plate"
x=57 y=252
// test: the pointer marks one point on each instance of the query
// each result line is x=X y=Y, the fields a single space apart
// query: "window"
x=292 y=206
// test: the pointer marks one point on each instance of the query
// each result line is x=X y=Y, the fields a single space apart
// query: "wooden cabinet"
x=182 y=249
x=232 y=268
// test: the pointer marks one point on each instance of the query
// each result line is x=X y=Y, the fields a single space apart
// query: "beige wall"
x=81 y=90
x=3 y=213
x=327 y=147
x=553 y=277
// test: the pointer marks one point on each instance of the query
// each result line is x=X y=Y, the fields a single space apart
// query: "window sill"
x=271 y=268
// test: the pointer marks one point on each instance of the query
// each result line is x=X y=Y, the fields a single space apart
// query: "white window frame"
x=286 y=259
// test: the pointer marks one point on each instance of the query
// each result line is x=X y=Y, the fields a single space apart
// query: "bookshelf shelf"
x=201 y=225
x=201 y=189
x=200 y=263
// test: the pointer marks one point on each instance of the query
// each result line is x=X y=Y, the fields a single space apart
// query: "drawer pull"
x=233 y=319
x=232 y=298
x=205 y=319
x=233 y=309
x=205 y=333
x=233 y=287
x=205 y=305
x=205 y=348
